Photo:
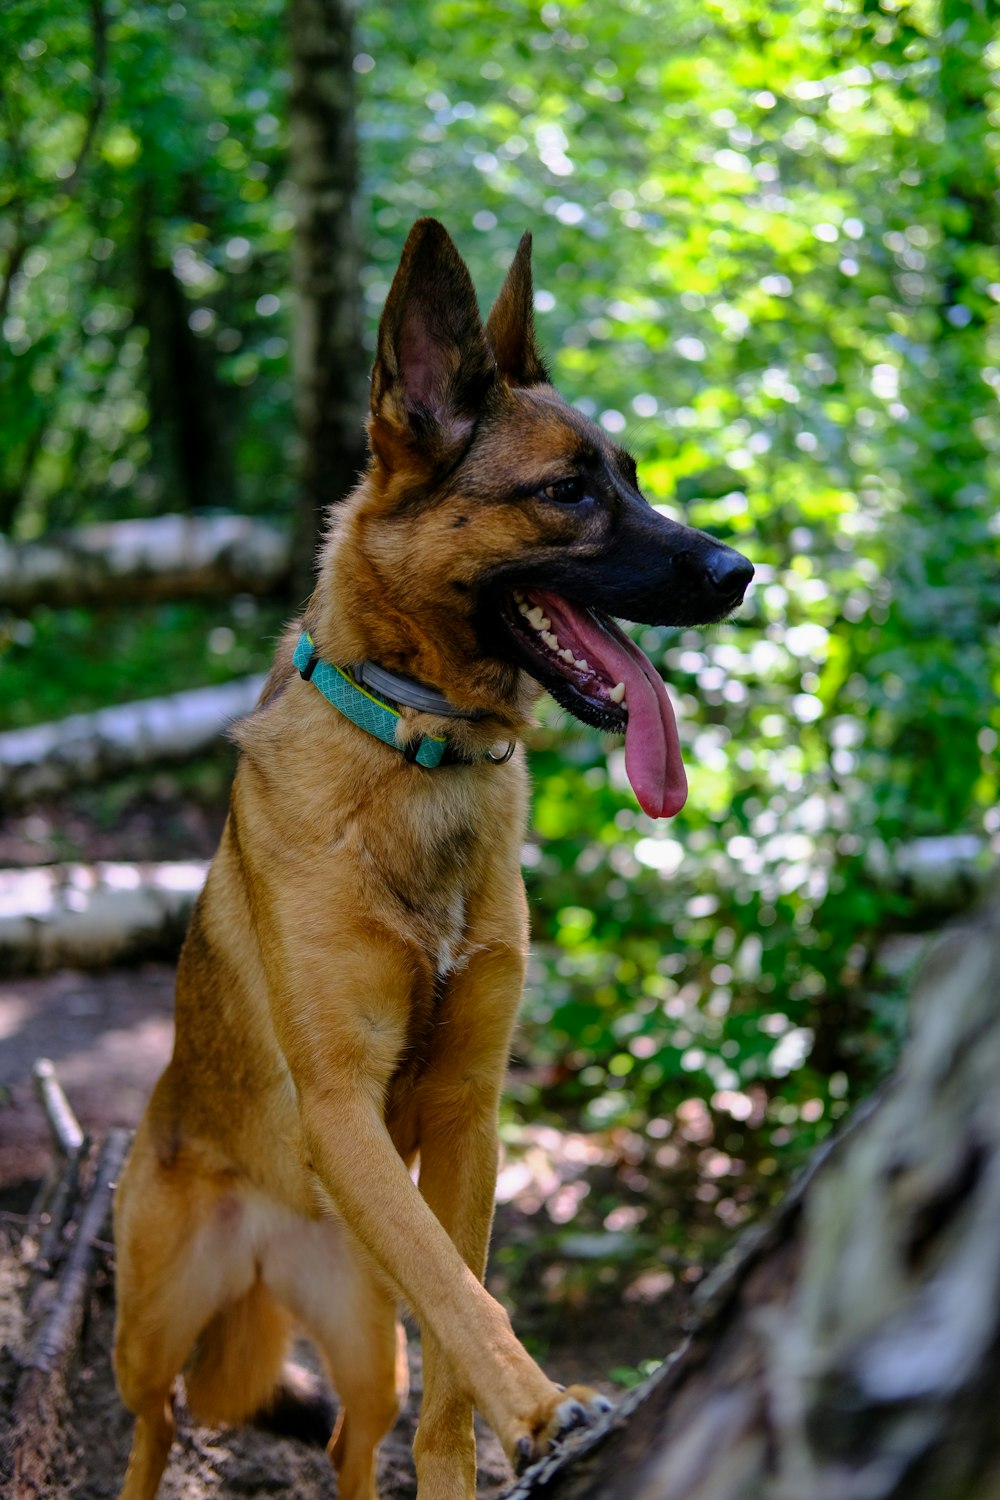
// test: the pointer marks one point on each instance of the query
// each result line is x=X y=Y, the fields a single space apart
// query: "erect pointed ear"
x=433 y=366
x=510 y=327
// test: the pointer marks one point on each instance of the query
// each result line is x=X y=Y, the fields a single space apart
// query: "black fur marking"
x=301 y=1408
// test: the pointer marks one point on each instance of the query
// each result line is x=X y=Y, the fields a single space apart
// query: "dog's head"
x=498 y=529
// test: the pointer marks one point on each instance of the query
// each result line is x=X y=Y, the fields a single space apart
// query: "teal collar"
x=365 y=708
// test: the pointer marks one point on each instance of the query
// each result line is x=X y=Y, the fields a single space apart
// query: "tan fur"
x=348 y=987
x=238 y=1358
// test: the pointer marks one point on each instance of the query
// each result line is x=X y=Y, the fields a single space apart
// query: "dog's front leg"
x=459 y=1101
x=342 y=1055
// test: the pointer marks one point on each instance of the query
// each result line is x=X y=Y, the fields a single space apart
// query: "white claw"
x=617 y=693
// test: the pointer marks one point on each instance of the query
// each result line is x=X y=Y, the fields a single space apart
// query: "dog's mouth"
x=591 y=667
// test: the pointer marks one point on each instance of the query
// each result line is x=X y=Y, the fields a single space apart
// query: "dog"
x=348 y=987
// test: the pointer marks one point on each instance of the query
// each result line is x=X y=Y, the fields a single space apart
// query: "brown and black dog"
x=349 y=983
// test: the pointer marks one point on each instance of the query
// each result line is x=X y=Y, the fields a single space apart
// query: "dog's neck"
x=409 y=693
x=357 y=622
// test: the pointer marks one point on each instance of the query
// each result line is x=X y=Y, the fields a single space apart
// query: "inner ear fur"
x=433 y=366
x=510 y=327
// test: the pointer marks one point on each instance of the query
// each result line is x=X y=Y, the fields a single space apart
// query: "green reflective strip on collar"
x=358 y=704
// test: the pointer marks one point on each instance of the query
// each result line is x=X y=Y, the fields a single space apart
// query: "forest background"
x=765 y=258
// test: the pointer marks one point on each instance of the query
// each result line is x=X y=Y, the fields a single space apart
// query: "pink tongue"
x=652 y=747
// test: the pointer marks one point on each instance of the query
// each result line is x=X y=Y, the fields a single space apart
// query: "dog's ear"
x=433 y=366
x=510 y=327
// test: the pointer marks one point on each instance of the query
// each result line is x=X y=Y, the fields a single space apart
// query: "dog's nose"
x=729 y=572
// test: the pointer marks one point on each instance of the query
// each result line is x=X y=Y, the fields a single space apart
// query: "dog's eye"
x=564 y=491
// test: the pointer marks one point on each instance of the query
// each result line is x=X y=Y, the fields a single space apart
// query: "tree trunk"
x=330 y=361
x=49 y=758
x=850 y=1349
x=189 y=426
x=168 y=557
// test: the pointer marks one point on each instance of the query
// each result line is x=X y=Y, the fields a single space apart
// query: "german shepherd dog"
x=348 y=987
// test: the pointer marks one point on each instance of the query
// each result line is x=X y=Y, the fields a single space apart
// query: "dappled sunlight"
x=633 y=1213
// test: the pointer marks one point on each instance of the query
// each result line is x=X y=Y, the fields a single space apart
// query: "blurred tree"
x=143 y=365
x=330 y=363
x=28 y=215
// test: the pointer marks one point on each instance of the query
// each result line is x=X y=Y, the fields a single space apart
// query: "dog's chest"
x=451 y=946
x=432 y=912
x=425 y=879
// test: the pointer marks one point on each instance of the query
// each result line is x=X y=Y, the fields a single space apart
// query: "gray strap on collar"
x=412 y=694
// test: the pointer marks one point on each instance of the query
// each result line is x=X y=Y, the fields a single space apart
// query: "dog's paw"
x=578 y=1406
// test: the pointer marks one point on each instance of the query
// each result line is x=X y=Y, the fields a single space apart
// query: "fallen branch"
x=51 y=758
x=163 y=557
x=54 y=1204
x=40 y=1397
x=88 y=916
x=60 y=1329
x=52 y=1212
x=850 y=1350
x=65 y=1127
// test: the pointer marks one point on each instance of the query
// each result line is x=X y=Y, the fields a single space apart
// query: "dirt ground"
x=109 y=1034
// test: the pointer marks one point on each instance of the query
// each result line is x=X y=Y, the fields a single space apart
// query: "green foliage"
x=80 y=660
x=156 y=284
x=765 y=246
x=765 y=251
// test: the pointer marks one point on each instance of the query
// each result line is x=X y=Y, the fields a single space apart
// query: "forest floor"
x=109 y=1035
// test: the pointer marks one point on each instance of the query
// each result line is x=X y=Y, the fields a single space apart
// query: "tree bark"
x=850 y=1350
x=166 y=557
x=84 y=748
x=329 y=357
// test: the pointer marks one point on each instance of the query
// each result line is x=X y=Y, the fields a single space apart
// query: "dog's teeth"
x=566 y=656
x=546 y=623
x=552 y=641
x=536 y=616
x=617 y=693
x=582 y=663
x=523 y=608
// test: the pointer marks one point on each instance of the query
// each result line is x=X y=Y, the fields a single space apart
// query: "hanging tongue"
x=652 y=747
